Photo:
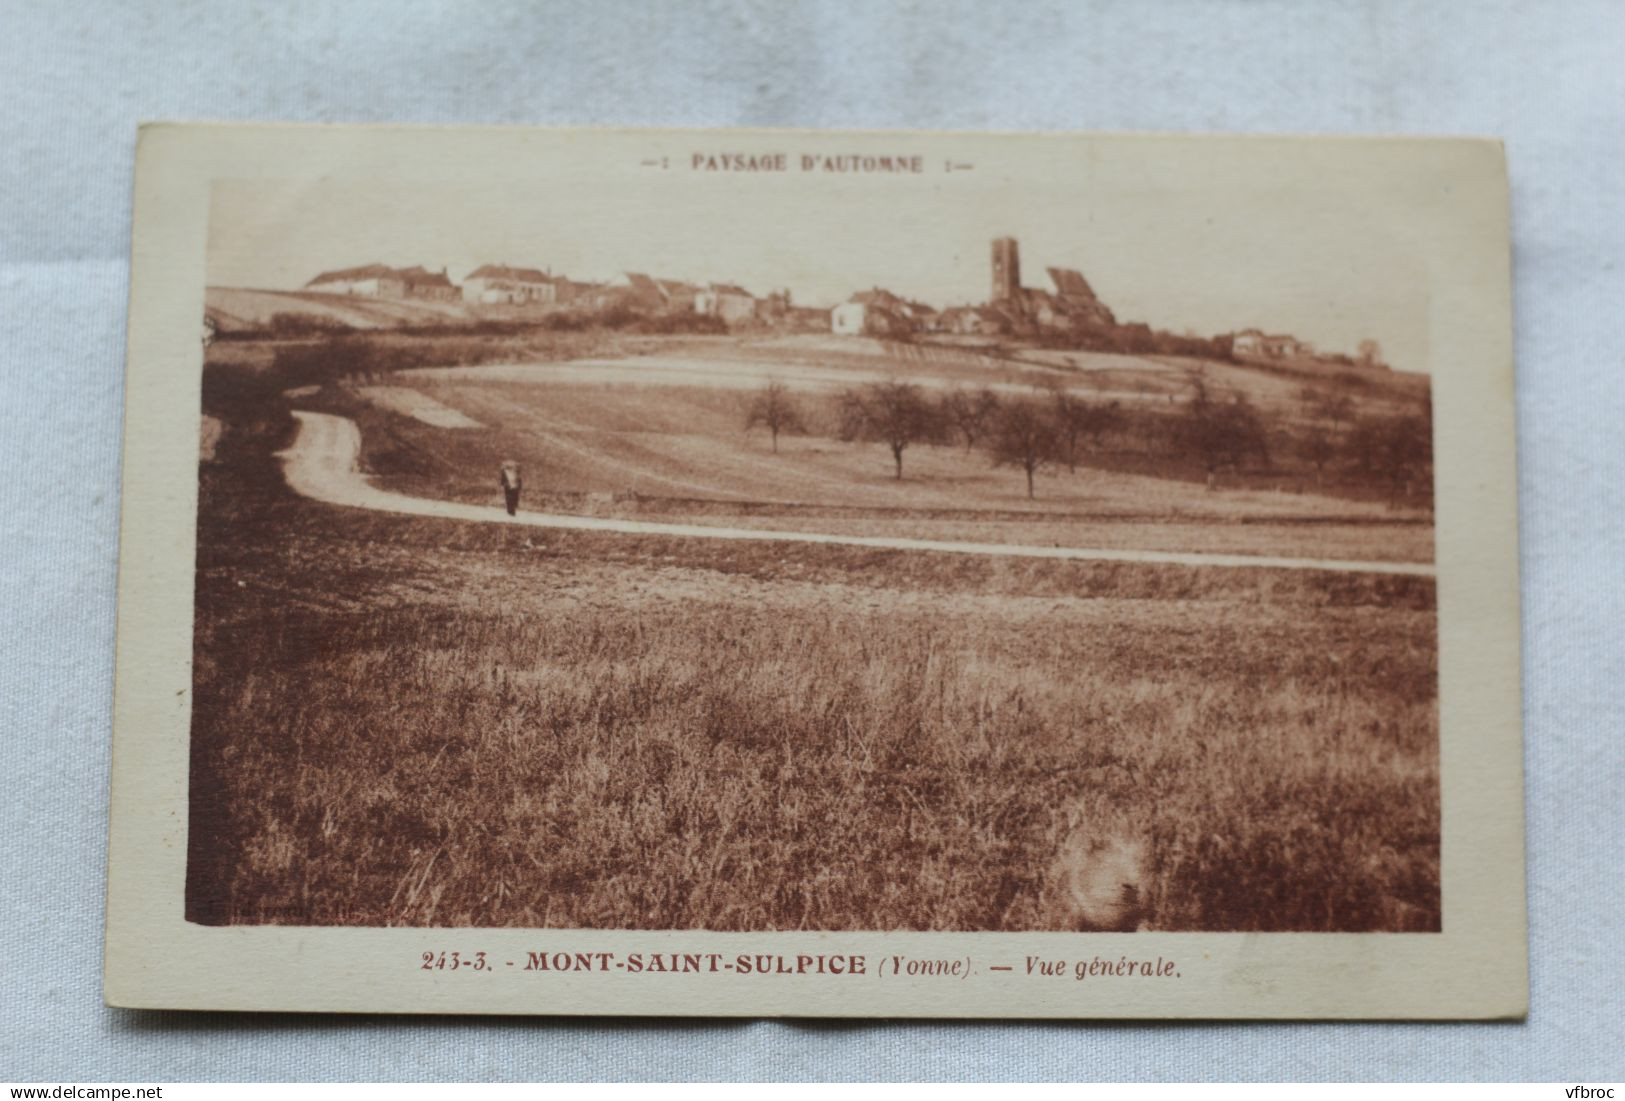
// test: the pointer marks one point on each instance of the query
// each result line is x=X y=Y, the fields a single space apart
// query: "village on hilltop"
x=1070 y=315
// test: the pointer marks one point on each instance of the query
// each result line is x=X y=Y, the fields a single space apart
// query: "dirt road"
x=321 y=465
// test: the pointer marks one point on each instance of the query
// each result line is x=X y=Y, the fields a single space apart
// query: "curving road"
x=322 y=465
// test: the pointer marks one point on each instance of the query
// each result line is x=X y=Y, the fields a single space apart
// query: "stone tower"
x=1006 y=269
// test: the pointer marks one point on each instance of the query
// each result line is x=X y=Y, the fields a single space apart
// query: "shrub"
x=678 y=322
x=293 y=326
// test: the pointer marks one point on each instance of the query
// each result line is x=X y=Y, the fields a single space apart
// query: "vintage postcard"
x=796 y=573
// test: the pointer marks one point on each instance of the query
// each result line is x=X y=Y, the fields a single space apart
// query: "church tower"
x=1006 y=269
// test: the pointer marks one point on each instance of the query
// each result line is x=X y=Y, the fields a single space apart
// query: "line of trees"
x=1209 y=431
x=1027 y=433
x=1137 y=338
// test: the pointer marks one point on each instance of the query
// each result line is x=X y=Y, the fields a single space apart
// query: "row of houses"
x=490 y=284
x=1071 y=308
x=382 y=281
x=1011 y=309
x=1256 y=344
x=504 y=284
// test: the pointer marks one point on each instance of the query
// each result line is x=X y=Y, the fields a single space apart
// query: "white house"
x=874 y=312
x=363 y=280
x=650 y=293
x=492 y=283
x=1248 y=342
x=382 y=281
x=1254 y=342
x=732 y=304
x=848 y=318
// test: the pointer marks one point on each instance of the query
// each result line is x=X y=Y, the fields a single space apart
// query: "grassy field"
x=681 y=453
x=420 y=722
x=233 y=309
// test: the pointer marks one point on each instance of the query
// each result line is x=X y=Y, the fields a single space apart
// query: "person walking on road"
x=510 y=481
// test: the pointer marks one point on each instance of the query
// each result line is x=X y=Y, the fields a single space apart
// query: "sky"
x=1274 y=250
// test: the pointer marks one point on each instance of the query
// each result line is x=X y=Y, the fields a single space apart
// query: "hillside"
x=240 y=309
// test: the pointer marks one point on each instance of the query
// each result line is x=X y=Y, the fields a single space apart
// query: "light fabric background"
x=76 y=78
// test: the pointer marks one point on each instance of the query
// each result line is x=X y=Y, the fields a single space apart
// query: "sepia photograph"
x=826 y=574
x=762 y=540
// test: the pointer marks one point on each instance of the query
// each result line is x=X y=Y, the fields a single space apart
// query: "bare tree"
x=971 y=414
x=1318 y=447
x=1103 y=419
x=774 y=409
x=1328 y=411
x=1071 y=417
x=1025 y=436
x=1076 y=420
x=1365 y=444
x=1405 y=445
x=1327 y=405
x=893 y=412
x=1221 y=433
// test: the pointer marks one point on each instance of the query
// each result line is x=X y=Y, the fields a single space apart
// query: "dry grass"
x=405 y=721
x=411 y=721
